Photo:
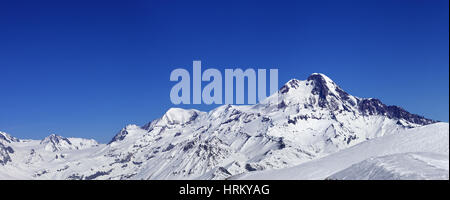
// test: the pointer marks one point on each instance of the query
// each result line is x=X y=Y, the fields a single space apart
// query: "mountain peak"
x=313 y=75
x=54 y=138
x=319 y=80
x=7 y=138
x=55 y=142
x=322 y=80
x=179 y=116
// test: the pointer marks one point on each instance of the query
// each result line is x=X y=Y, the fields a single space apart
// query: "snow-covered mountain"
x=6 y=138
x=55 y=143
x=310 y=120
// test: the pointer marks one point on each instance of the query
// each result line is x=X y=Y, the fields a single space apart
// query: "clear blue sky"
x=88 y=68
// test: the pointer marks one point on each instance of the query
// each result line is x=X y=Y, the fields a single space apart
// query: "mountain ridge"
x=310 y=119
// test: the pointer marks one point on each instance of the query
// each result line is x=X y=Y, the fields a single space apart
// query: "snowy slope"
x=5 y=149
x=403 y=166
x=310 y=120
x=432 y=138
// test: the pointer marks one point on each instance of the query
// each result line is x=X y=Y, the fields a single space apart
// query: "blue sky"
x=88 y=68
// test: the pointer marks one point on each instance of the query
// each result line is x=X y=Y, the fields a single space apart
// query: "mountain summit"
x=320 y=91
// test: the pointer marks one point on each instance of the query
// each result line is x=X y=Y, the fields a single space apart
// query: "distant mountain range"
x=313 y=120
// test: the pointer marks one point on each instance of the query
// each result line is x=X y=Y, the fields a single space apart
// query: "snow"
x=231 y=140
x=6 y=138
x=403 y=166
x=82 y=143
x=179 y=116
x=432 y=138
